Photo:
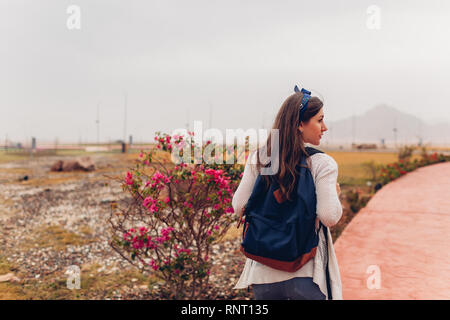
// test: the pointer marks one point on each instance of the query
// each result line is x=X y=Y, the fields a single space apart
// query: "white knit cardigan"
x=324 y=171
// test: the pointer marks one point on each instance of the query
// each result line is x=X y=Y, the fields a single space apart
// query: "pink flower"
x=187 y=251
x=150 y=204
x=129 y=179
x=150 y=243
x=165 y=232
x=158 y=177
x=142 y=230
x=154 y=265
x=160 y=239
x=126 y=235
x=181 y=144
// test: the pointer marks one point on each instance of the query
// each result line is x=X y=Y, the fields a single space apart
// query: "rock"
x=86 y=164
x=68 y=166
x=81 y=164
x=9 y=277
x=364 y=146
x=57 y=166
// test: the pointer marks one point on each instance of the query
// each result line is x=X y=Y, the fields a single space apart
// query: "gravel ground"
x=76 y=206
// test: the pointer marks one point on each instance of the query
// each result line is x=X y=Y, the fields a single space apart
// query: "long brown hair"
x=291 y=144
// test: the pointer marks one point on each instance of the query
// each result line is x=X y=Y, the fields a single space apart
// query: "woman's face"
x=314 y=129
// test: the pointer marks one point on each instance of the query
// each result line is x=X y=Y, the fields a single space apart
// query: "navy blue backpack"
x=281 y=233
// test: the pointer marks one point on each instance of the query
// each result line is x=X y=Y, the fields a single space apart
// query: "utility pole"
x=187 y=120
x=98 y=123
x=79 y=138
x=331 y=134
x=263 y=120
x=420 y=133
x=353 y=128
x=33 y=146
x=395 y=132
x=125 y=119
x=210 y=114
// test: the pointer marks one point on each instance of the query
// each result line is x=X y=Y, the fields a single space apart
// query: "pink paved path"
x=405 y=231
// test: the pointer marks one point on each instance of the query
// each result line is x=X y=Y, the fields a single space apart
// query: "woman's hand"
x=240 y=217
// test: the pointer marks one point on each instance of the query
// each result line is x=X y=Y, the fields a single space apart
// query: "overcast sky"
x=240 y=59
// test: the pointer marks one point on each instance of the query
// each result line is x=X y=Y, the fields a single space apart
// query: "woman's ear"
x=300 y=127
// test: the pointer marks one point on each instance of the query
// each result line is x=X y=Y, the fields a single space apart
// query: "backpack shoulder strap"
x=327 y=271
x=311 y=150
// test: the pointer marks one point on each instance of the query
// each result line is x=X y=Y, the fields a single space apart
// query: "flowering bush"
x=356 y=199
x=397 y=169
x=405 y=152
x=177 y=211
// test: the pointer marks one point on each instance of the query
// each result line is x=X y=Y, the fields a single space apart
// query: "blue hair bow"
x=305 y=99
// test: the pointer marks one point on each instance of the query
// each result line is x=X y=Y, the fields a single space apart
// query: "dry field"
x=55 y=220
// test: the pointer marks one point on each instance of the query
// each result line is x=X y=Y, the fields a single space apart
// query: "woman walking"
x=300 y=120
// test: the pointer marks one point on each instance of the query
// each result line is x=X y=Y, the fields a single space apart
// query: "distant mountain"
x=379 y=123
